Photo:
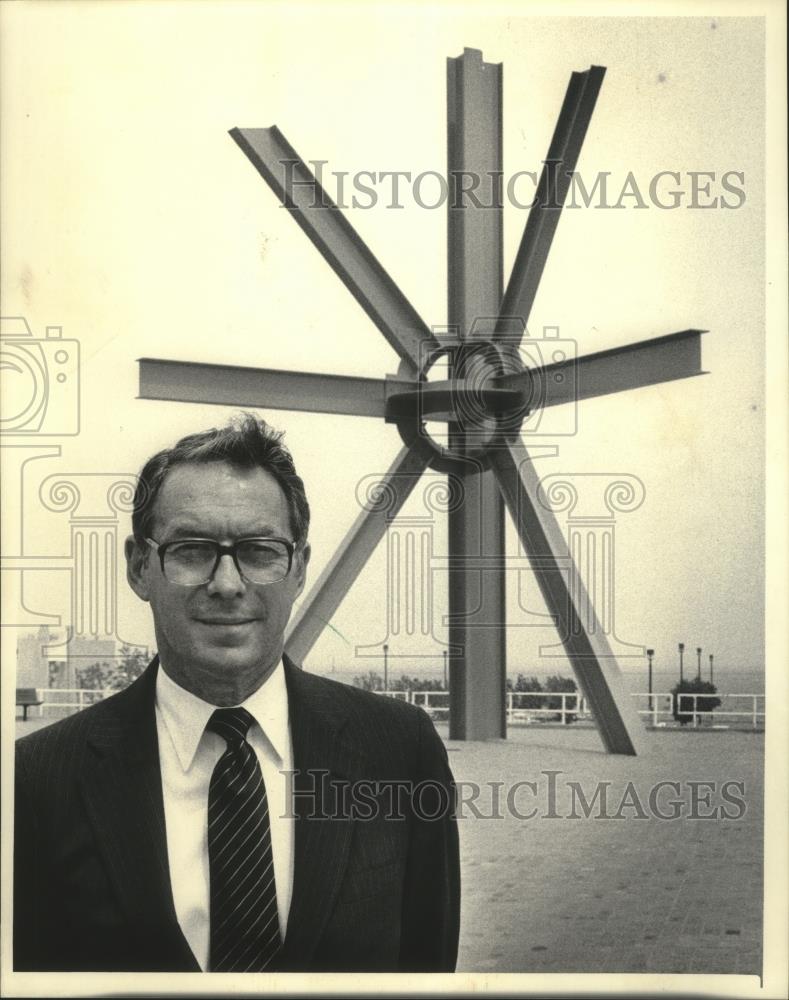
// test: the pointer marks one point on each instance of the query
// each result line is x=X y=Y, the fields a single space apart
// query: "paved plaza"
x=637 y=893
x=612 y=895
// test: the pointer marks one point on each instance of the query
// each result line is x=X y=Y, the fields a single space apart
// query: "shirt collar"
x=186 y=716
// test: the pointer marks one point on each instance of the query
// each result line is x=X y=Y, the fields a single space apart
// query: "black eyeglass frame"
x=223 y=550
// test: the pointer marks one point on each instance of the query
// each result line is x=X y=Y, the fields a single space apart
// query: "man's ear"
x=302 y=559
x=136 y=564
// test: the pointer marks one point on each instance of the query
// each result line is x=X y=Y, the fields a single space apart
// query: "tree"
x=561 y=684
x=371 y=681
x=132 y=663
x=406 y=683
x=116 y=675
x=702 y=704
x=523 y=683
x=92 y=677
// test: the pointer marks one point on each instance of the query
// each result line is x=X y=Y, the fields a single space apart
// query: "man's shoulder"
x=53 y=738
x=62 y=744
x=358 y=702
x=381 y=728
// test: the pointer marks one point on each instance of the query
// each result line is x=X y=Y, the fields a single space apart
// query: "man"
x=227 y=811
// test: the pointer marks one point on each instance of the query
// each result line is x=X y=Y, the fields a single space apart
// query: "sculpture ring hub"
x=475 y=410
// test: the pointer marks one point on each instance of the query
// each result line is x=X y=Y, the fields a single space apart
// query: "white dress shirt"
x=187 y=756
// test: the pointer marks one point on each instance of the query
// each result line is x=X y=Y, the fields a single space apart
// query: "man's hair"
x=245 y=442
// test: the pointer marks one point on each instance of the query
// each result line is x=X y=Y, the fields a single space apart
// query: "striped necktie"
x=245 y=935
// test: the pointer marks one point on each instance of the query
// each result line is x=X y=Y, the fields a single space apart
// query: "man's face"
x=222 y=638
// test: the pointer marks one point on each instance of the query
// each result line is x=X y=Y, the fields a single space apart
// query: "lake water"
x=727 y=681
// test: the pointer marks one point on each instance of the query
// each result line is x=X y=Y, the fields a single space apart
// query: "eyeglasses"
x=190 y=562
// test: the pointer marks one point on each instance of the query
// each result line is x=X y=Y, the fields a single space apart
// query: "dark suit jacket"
x=371 y=892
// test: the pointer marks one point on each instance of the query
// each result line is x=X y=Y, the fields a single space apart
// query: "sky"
x=133 y=221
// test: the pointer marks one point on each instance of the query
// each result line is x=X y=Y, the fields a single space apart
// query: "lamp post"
x=650 y=654
x=711 y=668
x=681 y=654
x=698 y=657
x=446 y=685
x=386 y=666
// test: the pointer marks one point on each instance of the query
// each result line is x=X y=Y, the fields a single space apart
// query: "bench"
x=27 y=698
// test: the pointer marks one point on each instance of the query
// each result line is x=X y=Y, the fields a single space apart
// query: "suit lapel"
x=321 y=758
x=122 y=791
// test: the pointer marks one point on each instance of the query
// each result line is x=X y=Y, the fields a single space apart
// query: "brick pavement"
x=621 y=894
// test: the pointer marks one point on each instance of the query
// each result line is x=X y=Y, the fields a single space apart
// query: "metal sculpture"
x=489 y=392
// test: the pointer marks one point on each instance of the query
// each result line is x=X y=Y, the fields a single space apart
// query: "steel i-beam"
x=478 y=675
x=582 y=636
x=649 y=362
x=340 y=245
x=554 y=183
x=351 y=556
x=618 y=369
x=267 y=388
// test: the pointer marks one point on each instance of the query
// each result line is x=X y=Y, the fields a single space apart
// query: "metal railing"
x=571 y=704
x=57 y=702
x=522 y=706
x=661 y=705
